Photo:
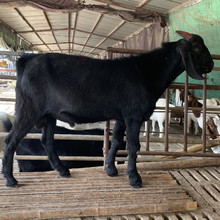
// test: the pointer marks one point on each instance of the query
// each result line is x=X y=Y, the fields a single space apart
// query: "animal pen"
x=178 y=188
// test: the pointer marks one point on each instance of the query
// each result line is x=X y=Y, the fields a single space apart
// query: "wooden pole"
x=185 y=112
x=180 y=164
x=194 y=148
x=106 y=141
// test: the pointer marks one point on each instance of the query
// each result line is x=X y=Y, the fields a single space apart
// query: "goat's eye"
x=197 y=49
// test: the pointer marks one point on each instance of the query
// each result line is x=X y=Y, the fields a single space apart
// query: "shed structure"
x=173 y=189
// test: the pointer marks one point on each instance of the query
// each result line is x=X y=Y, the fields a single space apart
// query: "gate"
x=204 y=142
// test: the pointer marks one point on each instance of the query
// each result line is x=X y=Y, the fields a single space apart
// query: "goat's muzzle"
x=208 y=68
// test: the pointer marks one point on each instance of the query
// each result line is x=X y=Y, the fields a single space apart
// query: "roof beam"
x=121 y=5
x=93 y=29
x=36 y=45
x=74 y=31
x=74 y=50
x=33 y=30
x=143 y=3
x=184 y=4
x=51 y=29
x=69 y=26
x=108 y=36
x=65 y=29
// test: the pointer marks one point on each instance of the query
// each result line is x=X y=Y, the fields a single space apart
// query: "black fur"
x=78 y=89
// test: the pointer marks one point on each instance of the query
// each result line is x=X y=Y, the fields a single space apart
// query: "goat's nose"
x=212 y=64
x=208 y=68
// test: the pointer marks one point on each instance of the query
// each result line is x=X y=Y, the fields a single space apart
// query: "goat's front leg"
x=133 y=144
x=117 y=141
x=188 y=124
x=153 y=127
x=47 y=141
x=161 y=128
x=145 y=128
x=196 y=127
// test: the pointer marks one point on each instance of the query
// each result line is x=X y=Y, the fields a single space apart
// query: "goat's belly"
x=79 y=118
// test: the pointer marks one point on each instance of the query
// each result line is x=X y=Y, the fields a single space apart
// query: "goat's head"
x=193 y=102
x=196 y=56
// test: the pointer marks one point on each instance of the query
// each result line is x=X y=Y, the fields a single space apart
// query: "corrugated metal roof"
x=85 y=32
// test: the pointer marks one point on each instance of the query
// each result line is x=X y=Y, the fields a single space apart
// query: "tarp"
x=71 y=6
x=151 y=37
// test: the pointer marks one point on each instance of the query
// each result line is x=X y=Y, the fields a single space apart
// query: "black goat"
x=78 y=89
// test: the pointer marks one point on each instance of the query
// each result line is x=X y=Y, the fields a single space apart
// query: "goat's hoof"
x=65 y=173
x=111 y=170
x=136 y=182
x=12 y=182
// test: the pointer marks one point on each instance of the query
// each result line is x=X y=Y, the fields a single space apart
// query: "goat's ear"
x=195 y=103
x=186 y=54
x=184 y=34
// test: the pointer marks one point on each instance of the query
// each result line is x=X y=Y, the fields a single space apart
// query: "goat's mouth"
x=208 y=68
x=203 y=70
x=197 y=76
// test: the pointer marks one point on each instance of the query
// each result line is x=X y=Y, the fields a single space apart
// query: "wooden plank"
x=171 y=216
x=206 y=185
x=186 y=180
x=206 y=175
x=91 y=193
x=196 y=175
x=213 y=172
x=211 y=215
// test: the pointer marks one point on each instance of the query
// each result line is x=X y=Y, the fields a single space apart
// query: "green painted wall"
x=202 y=19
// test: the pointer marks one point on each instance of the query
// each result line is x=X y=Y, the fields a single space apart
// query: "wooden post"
x=106 y=141
x=147 y=136
x=185 y=112
x=167 y=121
x=204 y=116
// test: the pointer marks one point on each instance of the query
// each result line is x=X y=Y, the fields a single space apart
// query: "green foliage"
x=12 y=40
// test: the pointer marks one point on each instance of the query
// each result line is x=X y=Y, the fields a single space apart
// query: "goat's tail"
x=7 y=121
x=20 y=64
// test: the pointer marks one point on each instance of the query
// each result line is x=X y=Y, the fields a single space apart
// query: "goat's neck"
x=161 y=67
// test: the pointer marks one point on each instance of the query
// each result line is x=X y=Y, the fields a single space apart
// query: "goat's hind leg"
x=117 y=141
x=47 y=141
x=7 y=161
x=16 y=134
